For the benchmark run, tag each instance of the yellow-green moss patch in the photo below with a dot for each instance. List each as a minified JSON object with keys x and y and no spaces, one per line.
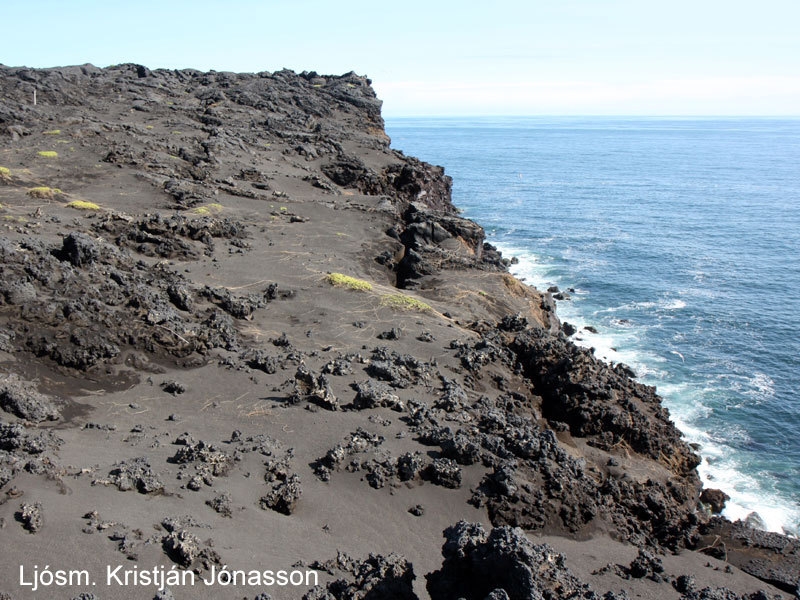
{"x":53,"y":132}
{"x":403,"y":302}
{"x":48,"y":154}
{"x":351,"y":283}
{"x":211,"y":209}
{"x":83,"y":205}
{"x":45,"y":193}
{"x":5,"y":174}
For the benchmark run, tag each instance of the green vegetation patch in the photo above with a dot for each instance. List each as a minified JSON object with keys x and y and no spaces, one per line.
{"x":53,"y":132}
{"x":83,"y":205}
{"x":5,"y":174}
{"x":403,"y":302}
{"x":351,"y":283}
{"x":48,"y":154}
{"x":44,"y":193}
{"x":211,"y":209}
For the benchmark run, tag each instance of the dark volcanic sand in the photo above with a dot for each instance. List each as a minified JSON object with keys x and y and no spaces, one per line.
{"x":183,"y":385}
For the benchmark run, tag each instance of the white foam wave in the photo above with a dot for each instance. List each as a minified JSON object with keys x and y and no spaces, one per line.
{"x":619,"y":341}
{"x":721,"y":470}
{"x":672,"y":304}
{"x":747,"y":495}
{"x":762,"y":387}
{"x":646,"y":306}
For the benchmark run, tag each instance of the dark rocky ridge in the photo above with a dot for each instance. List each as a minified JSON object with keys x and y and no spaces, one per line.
{"x":224,"y":199}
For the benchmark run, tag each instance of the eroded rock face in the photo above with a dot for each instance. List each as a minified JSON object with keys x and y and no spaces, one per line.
{"x":409,"y":181}
{"x":601,"y":402}
{"x":435,"y":239}
{"x":497,"y":396}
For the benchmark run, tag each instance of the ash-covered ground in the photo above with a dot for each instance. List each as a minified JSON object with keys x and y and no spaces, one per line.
{"x":238,"y":331}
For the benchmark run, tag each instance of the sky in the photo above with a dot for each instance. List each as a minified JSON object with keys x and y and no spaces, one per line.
{"x":448,"y":58}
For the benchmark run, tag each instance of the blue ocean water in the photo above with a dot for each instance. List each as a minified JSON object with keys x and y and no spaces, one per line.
{"x":681,"y":241}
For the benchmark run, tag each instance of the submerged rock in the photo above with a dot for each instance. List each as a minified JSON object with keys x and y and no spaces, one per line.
{"x":715,"y":499}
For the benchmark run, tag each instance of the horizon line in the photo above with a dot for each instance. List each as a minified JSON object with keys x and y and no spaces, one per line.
{"x":586,"y":116}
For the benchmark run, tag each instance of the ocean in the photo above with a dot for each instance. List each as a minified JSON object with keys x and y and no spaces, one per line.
{"x":678,"y":240}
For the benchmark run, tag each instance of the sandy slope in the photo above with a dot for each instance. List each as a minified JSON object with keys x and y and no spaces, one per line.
{"x":205,"y":372}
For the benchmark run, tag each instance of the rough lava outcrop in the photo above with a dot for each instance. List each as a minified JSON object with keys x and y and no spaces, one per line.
{"x":168,"y":244}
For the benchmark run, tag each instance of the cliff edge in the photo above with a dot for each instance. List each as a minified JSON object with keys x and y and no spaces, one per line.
{"x":238,"y":329}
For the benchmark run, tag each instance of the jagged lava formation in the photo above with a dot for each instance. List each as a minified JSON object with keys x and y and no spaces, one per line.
{"x":230,"y":312}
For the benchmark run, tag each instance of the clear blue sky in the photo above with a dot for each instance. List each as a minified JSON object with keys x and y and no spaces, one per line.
{"x":535,"y":57}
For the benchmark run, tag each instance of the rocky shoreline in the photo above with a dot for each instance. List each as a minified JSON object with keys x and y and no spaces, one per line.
{"x":238,"y":329}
